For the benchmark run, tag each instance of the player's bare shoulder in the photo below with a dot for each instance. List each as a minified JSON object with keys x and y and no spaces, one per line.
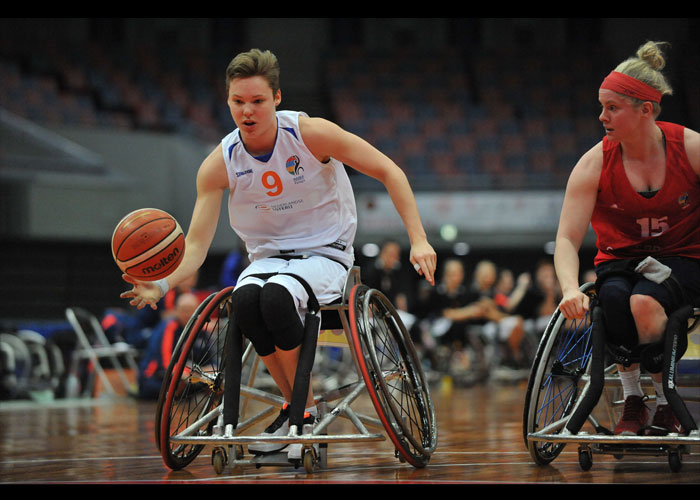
{"x":314,"y":129}
{"x":321,"y":136}
{"x":212,"y":172}
{"x":593,"y":158}
{"x":590,"y":165}
{"x":692,"y":148}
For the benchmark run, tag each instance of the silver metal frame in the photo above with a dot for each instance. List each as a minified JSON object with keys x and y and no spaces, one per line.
{"x":333,"y":404}
{"x":611,"y":444}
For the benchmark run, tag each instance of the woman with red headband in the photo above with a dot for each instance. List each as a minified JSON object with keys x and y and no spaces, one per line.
{"x":639,"y":188}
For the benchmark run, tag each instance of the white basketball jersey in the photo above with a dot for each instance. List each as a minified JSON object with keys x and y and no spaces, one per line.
{"x":289,"y":203}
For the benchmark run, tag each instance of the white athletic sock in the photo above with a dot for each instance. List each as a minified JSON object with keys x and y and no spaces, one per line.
{"x":630,"y":383}
{"x":660,"y":396}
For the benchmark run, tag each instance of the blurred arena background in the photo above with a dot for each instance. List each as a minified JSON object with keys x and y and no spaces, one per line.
{"x":99,"y":117}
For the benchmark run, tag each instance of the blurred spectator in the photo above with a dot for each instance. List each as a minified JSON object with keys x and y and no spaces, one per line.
{"x":387,"y":275}
{"x":501,"y":329}
{"x":484,"y":307}
{"x":485,"y":275}
{"x":446,"y":313}
{"x":451,"y":305}
{"x":166,"y":306}
{"x":134,"y":326}
{"x":509,"y":293}
{"x":161,"y":344}
{"x":546,"y":282}
{"x":470,"y":324}
{"x":541,"y":299}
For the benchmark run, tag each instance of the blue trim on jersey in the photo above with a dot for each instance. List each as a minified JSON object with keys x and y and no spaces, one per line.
{"x":291,"y":131}
{"x":263,"y":158}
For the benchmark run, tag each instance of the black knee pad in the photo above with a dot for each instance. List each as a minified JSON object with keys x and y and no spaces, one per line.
{"x":614,"y":298}
{"x":249,"y":317}
{"x":279,"y":311}
{"x":652,"y":355}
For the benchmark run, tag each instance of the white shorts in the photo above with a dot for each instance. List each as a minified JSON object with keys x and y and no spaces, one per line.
{"x":325,"y":277}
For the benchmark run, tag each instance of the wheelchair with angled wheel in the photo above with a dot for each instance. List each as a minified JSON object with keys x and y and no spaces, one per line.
{"x":574,"y":373}
{"x":212,"y":395}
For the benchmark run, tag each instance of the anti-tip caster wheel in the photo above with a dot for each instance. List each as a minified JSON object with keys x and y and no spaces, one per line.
{"x":674,"y":460}
{"x":219,"y":459}
{"x":310,"y":460}
{"x":585,"y":458}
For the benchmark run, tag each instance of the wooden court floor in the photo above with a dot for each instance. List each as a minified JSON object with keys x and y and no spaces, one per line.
{"x":110,"y":441}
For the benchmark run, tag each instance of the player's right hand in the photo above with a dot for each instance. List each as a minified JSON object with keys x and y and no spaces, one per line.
{"x":142,"y":294}
{"x":574,"y":304}
{"x":424,"y":260}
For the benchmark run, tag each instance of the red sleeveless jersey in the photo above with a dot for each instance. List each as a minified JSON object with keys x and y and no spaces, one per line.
{"x":628,"y":225}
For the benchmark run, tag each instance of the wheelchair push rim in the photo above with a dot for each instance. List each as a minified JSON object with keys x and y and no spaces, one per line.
{"x":554,"y":386}
{"x":173,"y":360}
{"x":393,"y":376}
{"x":195,"y":384}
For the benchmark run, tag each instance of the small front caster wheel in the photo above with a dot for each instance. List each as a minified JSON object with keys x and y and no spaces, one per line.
{"x":310,"y":461}
{"x":585,"y":458}
{"x":674,"y":460}
{"x":219,"y":460}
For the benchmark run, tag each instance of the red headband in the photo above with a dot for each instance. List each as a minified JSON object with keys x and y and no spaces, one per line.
{"x":623,"y":84}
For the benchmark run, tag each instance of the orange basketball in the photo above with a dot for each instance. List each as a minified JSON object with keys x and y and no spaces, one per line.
{"x":148,"y":244}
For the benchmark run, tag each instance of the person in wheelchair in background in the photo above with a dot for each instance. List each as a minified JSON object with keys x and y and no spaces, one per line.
{"x":639,"y":189}
{"x":292,"y":204}
{"x":161,"y":343}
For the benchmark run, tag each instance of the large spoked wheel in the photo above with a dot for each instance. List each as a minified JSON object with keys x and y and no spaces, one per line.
{"x":393,"y":375}
{"x":168,"y":372}
{"x":194,"y":382}
{"x":561,"y":361}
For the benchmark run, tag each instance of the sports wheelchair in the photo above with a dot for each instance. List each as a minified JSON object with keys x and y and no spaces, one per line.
{"x":571,"y":370}
{"x":209,"y":389}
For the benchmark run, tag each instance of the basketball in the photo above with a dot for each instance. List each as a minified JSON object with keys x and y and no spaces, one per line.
{"x":148,"y":244}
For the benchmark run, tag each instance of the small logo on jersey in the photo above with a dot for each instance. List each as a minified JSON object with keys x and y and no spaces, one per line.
{"x":245,"y":172}
{"x":280,"y":207}
{"x":293,"y":165}
{"x":683,"y":200}
{"x":294,"y":169}
{"x":338,"y":245}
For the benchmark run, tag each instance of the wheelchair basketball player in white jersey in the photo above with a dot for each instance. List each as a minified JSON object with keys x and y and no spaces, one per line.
{"x":291,"y":202}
